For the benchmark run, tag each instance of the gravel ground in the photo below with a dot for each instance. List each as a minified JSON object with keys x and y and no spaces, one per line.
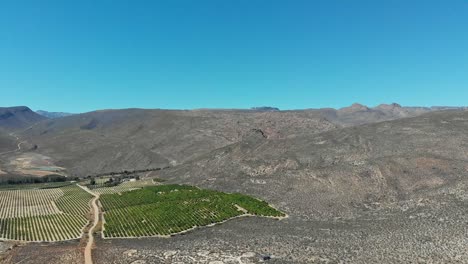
{"x":423,"y":234}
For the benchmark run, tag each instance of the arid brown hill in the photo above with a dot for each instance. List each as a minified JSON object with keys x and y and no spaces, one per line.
{"x":18,"y":117}
{"x":129,"y":139}
{"x":114,"y":140}
{"x":358,"y":114}
{"x":7,"y":143}
{"x":333,"y":173}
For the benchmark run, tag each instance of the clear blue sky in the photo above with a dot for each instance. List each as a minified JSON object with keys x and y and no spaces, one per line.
{"x":83,"y":55}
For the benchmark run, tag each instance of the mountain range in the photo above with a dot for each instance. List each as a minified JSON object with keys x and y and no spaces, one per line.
{"x":108,"y":140}
{"x":384,"y":184}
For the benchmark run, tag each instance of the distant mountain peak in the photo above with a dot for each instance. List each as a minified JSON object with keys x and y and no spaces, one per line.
{"x":389,"y":106}
{"x":18,"y":117}
{"x":52,"y":114}
{"x":265,"y":108}
{"x":15,"y":109}
{"x":356,"y":107}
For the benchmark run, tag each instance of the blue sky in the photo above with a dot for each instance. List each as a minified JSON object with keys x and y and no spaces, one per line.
{"x":79,"y":56}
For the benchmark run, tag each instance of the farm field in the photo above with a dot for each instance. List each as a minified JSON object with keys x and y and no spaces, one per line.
{"x":48,"y":185}
{"x":52,"y":214}
{"x":169,"y":209}
{"x":124,"y":187}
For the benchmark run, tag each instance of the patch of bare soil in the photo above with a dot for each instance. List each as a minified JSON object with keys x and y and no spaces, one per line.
{"x":34,"y":164}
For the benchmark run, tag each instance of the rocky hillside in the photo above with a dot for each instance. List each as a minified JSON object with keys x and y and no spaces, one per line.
{"x":129,"y":139}
{"x":342,"y":170}
{"x":7,"y":142}
{"x":358,"y":114}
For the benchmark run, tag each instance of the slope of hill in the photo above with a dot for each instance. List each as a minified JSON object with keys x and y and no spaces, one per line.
{"x":7,"y":142}
{"x":18,"y":117}
{"x":390,"y":192}
{"x":127,"y":139}
{"x":339,"y":170}
{"x":110,"y":140}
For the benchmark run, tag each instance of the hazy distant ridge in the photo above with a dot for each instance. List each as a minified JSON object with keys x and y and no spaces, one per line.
{"x":53,"y":114}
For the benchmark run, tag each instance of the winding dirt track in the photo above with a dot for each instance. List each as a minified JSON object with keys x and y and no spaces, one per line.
{"x":89,"y":245}
{"x":18,"y":147}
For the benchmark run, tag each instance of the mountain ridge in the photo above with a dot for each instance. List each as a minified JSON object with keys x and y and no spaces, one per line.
{"x":146,"y":138}
{"x":18,"y":117}
{"x":53,"y":114}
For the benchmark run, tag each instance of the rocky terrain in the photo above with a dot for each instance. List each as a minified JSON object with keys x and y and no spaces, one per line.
{"x":131,"y":139}
{"x":126,"y":139}
{"x":392,"y":192}
{"x":338,"y":169}
{"x":7,"y":142}
{"x":360,"y":185}
{"x":419,"y":235}
{"x":358,"y":114}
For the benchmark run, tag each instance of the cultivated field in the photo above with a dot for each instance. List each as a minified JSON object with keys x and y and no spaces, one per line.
{"x":169,"y":209}
{"x":124,"y":187}
{"x":43,"y":214}
{"x":47,"y":185}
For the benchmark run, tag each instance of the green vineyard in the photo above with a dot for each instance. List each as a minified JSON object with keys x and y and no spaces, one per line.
{"x":168,"y":209}
{"x":49,"y":213}
{"x":52,"y":214}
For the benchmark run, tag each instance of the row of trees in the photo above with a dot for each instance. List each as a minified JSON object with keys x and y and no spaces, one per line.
{"x":126,"y":172}
{"x":23,"y":179}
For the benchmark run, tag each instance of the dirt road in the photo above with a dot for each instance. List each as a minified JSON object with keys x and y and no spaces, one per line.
{"x":18,"y":147}
{"x":89,"y":245}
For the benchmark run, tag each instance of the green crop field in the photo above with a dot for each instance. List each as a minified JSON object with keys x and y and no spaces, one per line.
{"x":168,"y":209}
{"x":52,"y":214}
